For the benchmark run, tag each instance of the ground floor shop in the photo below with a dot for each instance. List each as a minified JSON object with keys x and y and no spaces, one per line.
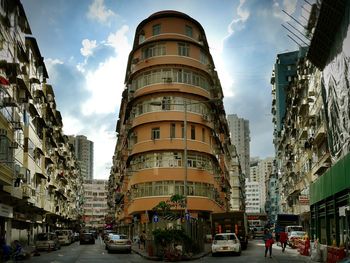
{"x":330,"y":204}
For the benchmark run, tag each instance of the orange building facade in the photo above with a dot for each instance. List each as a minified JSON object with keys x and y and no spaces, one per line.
{"x":173,"y":136}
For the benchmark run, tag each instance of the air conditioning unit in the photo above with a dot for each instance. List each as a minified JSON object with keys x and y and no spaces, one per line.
{"x":17,"y":126}
{"x":8,"y":102}
{"x":3,"y":132}
{"x":13,"y":145}
{"x":135,"y":61}
{"x":168,"y":80}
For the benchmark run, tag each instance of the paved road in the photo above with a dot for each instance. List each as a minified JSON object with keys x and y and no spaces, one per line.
{"x":76,"y":253}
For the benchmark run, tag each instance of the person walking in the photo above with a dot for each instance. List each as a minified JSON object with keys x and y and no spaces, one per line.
{"x":268,"y":242}
{"x":283,"y":240}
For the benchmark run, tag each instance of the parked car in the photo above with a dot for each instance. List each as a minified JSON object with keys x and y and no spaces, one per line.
{"x":294,"y":236}
{"x":65,"y":236}
{"x":47,"y":241}
{"x":87,"y":238}
{"x":76,"y":236}
{"x":258,"y":231}
{"x":226,"y":243}
{"x":118,"y":242}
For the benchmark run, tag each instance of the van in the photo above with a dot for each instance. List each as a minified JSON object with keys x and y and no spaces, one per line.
{"x":65,"y":237}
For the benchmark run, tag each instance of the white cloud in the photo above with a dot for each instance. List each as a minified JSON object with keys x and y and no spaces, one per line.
{"x":71,"y":125}
{"x":119,"y":40}
{"x":238,"y":23}
{"x":104,"y":145}
{"x":99,"y":12}
{"x":106,"y":83}
{"x":290,"y":6}
{"x":88,"y":47}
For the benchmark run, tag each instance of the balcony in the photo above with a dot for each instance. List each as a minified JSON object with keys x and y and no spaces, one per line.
{"x":322,"y":165}
{"x":320,"y":134}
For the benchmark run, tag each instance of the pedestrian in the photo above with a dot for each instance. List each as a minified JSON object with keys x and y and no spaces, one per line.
{"x":143,"y":239}
{"x":268,"y":242}
{"x":283,"y":239}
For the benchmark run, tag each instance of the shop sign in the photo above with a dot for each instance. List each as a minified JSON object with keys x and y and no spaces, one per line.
{"x":304,"y":200}
{"x":6,"y":211}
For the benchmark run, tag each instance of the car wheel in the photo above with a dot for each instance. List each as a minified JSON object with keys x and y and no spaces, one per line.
{"x":213,"y":254}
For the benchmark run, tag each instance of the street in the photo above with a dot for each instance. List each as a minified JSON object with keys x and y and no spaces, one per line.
{"x":76,"y":253}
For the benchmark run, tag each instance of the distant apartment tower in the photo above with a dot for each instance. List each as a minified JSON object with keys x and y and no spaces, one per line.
{"x":95,"y":204}
{"x":84,"y":152}
{"x":252,"y":201}
{"x":240,"y":137}
{"x":260,"y":171}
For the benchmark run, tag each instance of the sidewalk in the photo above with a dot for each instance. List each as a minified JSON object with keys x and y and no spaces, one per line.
{"x":142,"y":252}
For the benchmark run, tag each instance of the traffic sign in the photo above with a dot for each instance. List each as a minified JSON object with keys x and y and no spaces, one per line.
{"x":155,"y":219}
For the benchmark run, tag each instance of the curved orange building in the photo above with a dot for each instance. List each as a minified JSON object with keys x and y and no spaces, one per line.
{"x":173,"y":136}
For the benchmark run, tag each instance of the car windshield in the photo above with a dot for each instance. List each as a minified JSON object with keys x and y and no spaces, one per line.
{"x":298,"y":233}
{"x":225,"y":237}
{"x":117,"y":237}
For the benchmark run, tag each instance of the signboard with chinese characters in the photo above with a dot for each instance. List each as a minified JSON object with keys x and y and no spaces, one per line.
{"x":304,"y":200}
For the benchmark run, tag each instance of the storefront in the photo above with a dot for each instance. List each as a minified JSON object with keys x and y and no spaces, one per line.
{"x":330,"y":199}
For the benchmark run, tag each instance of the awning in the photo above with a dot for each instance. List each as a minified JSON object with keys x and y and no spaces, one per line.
{"x":40,"y":175}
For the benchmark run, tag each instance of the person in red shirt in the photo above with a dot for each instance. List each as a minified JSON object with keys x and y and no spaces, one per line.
{"x":283,"y":239}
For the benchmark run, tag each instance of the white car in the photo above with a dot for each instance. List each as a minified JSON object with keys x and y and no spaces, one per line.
{"x":226,"y":243}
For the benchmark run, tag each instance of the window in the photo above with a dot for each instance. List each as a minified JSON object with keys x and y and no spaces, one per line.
{"x":183,"y":49}
{"x":172,"y":130}
{"x":166,"y":103}
{"x":193,"y":132}
{"x":182,"y":131}
{"x":153,"y":51}
{"x":5,"y":151}
{"x":203,"y":135}
{"x":188,"y":31}
{"x":155,"y":133}
{"x":156,"y":29}
{"x":203,"y":57}
{"x":141,"y":38}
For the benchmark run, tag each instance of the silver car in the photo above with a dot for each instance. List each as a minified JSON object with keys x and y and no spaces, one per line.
{"x":226,"y":243}
{"x":47,"y":241}
{"x":118,"y":242}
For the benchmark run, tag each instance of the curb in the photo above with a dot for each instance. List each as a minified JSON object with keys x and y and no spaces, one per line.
{"x":194,"y":257}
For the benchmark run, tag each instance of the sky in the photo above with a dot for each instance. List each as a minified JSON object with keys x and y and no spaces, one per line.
{"x":86,"y":43}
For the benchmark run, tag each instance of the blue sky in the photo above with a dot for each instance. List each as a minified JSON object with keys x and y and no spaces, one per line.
{"x":85,"y":45}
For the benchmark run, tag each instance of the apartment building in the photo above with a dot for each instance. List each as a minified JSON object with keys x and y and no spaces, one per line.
{"x":173,"y":136}
{"x":40,"y":182}
{"x":240,"y":137}
{"x":84,"y":153}
{"x":95,"y":205}
{"x":329,"y":52}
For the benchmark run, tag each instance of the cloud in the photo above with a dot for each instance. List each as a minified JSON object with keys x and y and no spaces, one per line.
{"x":106,"y":83}
{"x":98,"y":11}
{"x":238,"y":23}
{"x":88,"y":47}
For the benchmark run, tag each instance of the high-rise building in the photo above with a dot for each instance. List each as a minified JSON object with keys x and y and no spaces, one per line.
{"x":240,"y":137}
{"x":173,"y":136}
{"x":84,"y":152}
{"x":40,"y":180}
{"x":95,"y":205}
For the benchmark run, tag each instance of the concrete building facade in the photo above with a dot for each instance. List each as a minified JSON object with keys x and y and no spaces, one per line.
{"x":40,"y":180}
{"x":95,"y":205}
{"x":84,"y":152}
{"x":240,"y":137}
{"x":173,"y":136}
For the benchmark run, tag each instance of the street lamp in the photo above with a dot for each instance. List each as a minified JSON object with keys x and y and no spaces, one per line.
{"x":185,"y":104}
